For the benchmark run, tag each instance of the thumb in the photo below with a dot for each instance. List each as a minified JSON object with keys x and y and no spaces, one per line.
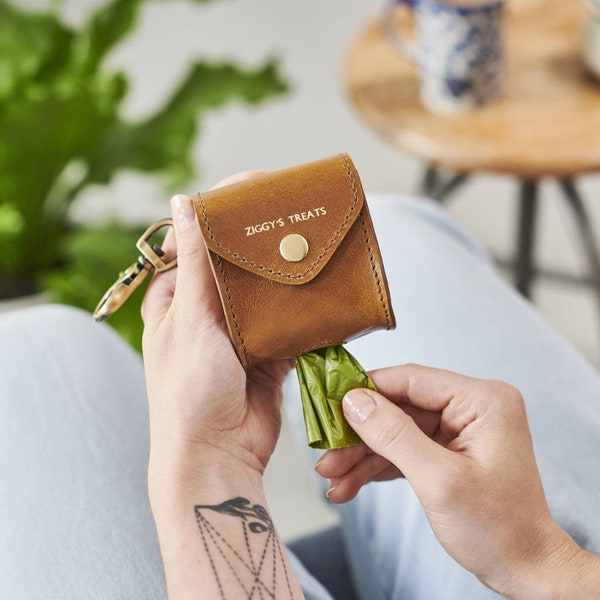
{"x":393,"y":434}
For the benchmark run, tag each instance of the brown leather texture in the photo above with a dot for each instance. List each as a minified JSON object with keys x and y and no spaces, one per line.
{"x":275,"y":308}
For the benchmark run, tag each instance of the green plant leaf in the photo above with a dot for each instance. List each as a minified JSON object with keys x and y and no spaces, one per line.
{"x":11,"y":220}
{"x":34,"y":45}
{"x":163,"y":142}
{"x":106,"y":28}
{"x":60,"y":109}
{"x":40,"y":138}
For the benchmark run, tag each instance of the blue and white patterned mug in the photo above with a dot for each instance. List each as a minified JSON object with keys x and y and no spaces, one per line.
{"x":459,"y":51}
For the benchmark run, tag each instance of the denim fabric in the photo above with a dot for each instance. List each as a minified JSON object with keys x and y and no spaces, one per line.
{"x":74,"y":512}
{"x":455,"y":312}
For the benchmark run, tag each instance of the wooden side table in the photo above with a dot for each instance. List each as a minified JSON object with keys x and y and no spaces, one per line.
{"x":546,"y":125}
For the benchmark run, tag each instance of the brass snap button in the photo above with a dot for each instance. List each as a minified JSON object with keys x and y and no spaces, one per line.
{"x":293,"y":247}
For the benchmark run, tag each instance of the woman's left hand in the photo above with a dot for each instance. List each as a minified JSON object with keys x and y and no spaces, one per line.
{"x":202,"y":402}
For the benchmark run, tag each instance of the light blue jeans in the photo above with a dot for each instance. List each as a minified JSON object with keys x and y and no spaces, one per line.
{"x":75,"y":521}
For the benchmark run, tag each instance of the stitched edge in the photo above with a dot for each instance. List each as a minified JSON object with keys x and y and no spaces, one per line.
{"x":317,"y":346}
{"x":230,"y":300}
{"x":374,"y":268}
{"x":279,"y":273}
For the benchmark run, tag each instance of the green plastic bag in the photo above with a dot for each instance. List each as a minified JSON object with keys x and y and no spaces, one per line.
{"x":325,"y":376}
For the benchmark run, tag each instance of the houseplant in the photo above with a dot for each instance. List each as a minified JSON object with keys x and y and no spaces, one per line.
{"x":61,"y":130}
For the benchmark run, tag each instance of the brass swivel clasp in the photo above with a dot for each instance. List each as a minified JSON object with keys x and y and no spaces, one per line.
{"x":151,"y":258}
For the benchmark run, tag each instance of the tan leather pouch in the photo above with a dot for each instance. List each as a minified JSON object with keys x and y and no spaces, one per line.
{"x":284,"y":296}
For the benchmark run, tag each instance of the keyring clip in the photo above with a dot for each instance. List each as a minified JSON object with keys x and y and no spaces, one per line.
{"x":152,"y":258}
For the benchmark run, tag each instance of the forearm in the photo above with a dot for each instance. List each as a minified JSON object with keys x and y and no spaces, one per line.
{"x":216,"y":536}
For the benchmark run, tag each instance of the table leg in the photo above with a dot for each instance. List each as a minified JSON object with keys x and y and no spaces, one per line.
{"x":449,"y":186}
{"x":586,"y":231}
{"x":528,"y":203}
{"x":430,"y":181}
{"x":434,"y":187}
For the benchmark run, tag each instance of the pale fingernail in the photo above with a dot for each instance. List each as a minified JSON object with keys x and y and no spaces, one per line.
{"x":358,"y":405}
{"x":183,"y":210}
{"x":319,"y":463}
{"x":332,"y":487}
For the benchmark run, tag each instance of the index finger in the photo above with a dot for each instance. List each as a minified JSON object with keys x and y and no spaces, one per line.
{"x":424,"y":387}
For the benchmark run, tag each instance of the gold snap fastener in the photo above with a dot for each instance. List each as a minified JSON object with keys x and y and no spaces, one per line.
{"x":293,"y":247}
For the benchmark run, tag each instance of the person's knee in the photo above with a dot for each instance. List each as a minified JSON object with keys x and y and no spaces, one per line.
{"x":54,"y":314}
{"x":419,"y":219}
{"x":53,"y":325}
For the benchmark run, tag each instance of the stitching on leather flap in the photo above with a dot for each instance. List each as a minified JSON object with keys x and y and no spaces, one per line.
{"x":315,"y":263}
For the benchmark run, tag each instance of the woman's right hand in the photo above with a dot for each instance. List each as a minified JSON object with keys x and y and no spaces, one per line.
{"x":465,"y":447}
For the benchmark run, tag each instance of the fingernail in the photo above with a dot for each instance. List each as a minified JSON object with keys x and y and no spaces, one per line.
{"x":183,"y":210}
{"x":358,"y":405}
{"x":320,"y":462}
{"x":332,"y":487}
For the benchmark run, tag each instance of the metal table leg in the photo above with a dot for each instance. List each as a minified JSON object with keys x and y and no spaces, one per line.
{"x":430,"y":181}
{"x":433,"y":186}
{"x":528,"y":204}
{"x":438,"y":187}
{"x":449,"y":186}
{"x":582,"y":222}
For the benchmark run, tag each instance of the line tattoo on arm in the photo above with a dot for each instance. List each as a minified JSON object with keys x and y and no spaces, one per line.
{"x":249,"y":556}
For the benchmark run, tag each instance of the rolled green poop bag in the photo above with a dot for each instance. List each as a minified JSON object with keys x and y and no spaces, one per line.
{"x":325,"y":376}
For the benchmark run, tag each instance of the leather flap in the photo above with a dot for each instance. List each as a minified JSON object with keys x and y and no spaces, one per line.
{"x":244,"y":223}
